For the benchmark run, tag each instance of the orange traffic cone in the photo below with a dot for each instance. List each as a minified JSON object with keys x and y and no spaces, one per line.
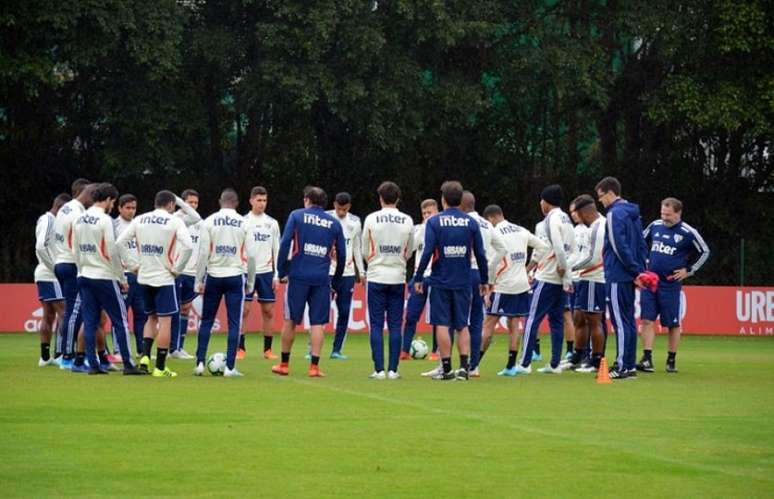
{"x":603,"y":377}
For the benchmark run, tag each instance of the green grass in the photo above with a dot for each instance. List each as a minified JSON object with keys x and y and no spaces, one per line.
{"x":707,"y":431}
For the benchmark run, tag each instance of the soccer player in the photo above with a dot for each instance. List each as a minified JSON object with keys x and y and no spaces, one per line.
{"x":511,"y":296}
{"x":164,"y":247}
{"x":624,"y":259}
{"x":354,"y":272}
{"x":226,"y":253}
{"x":316,"y":237}
{"x":580,"y":232}
{"x":449,"y":238}
{"x":387,"y":245}
{"x":101,"y":271}
{"x":49,"y":291}
{"x":537,"y":256}
{"x":476,"y":317}
{"x":127,"y":209}
{"x":66,"y":271}
{"x":677,"y":251}
{"x":589,"y":293}
{"x":416,"y":301}
{"x":552,"y":279}
{"x":266,"y":235}
{"x":184,"y":283}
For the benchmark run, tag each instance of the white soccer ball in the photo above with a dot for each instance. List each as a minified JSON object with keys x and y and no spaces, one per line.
{"x":419,"y":349}
{"x":216,"y":364}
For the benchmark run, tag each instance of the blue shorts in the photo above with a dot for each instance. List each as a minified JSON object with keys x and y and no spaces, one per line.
{"x":569,"y":303}
{"x":263,"y":288}
{"x":449,"y":307}
{"x":160,"y":300}
{"x":317,"y":297}
{"x":590,"y":297}
{"x":49,"y":291}
{"x":664,"y":304}
{"x":185,"y":288}
{"x":509,"y":305}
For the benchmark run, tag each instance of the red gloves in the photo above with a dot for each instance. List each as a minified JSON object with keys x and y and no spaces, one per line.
{"x":649,"y":280}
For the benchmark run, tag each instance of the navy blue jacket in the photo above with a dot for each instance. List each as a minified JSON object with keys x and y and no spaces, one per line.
{"x":625,"y":250}
{"x":317,"y":238}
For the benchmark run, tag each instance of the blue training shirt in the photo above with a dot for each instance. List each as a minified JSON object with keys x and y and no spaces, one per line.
{"x":676,"y":247}
{"x":450,"y":236}
{"x":625,"y":250}
{"x":317,"y":238}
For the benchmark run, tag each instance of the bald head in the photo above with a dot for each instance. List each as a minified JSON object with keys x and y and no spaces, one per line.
{"x":468,"y":203}
{"x":229,"y":199}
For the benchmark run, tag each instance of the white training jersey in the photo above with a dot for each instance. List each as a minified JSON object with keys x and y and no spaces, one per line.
{"x":509,"y":257}
{"x":486,"y":236}
{"x":226,"y":247}
{"x":418,"y":237}
{"x":192,"y":265}
{"x":163,"y":244}
{"x":266,"y":234}
{"x":353,"y":233}
{"x":44,"y":248}
{"x":561,"y":239}
{"x":120,"y":224}
{"x":581,"y":233}
{"x":94,"y":246}
{"x":589,"y":264}
{"x":63,"y":230}
{"x":387,"y":245}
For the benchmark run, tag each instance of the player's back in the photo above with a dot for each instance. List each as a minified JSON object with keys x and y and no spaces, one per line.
{"x":387,"y":245}
{"x":93,"y":235}
{"x":452,"y":235}
{"x":511,"y":271}
{"x":63,"y":226}
{"x":156,"y":233}
{"x":486,"y":237}
{"x":561,"y":238}
{"x":314,"y":234}
{"x":45,"y":242}
{"x":226,"y":233}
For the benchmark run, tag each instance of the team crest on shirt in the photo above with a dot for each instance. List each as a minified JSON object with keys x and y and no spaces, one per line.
{"x":678,"y":238}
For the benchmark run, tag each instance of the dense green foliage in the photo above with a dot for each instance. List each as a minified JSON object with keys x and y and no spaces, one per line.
{"x":705,"y":432}
{"x":674,"y":97}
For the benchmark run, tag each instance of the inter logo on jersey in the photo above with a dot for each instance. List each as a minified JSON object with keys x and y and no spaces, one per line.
{"x":449,"y":221}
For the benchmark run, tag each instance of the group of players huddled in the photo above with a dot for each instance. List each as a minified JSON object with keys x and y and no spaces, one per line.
{"x":470,"y":272}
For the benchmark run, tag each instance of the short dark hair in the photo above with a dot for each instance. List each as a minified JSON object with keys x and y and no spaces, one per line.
{"x":583,"y":201}
{"x":609,"y":184}
{"x":492,"y":210}
{"x":103,"y":192}
{"x":78,"y":186}
{"x":188,"y":193}
{"x":429,"y":202}
{"x":342,"y":199}
{"x":451,"y":191}
{"x":258,"y":190}
{"x":126,"y":198}
{"x":61,"y":200}
{"x":468,"y":201}
{"x":675,"y":203}
{"x":316,"y":196}
{"x":163,"y":198}
{"x":229,"y":196}
{"x":389,"y":192}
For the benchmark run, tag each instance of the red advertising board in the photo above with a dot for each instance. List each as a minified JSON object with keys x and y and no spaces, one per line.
{"x":710,"y":310}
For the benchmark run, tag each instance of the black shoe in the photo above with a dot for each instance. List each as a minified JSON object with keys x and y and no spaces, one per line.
{"x":671,"y":368}
{"x":616,"y":374}
{"x":631,"y":374}
{"x":645,"y":365}
{"x":134,"y":371}
{"x":461,"y":375}
{"x":444,"y":376}
{"x":97,"y":370}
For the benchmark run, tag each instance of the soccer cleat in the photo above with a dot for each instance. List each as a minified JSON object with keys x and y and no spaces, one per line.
{"x":631,"y":374}
{"x":338,"y":356}
{"x":474,"y":373}
{"x":145,"y":363}
{"x":586,"y":368}
{"x":537,"y":356}
{"x":377,"y":375}
{"x":269,"y":355}
{"x":232,"y":373}
{"x":547,"y":369}
{"x":181,"y":355}
{"x":671,"y":368}
{"x":115,"y":358}
{"x":509,"y":372}
{"x":66,"y":364}
{"x":461,"y":374}
{"x":241,"y":354}
{"x":199,"y":369}
{"x":405,"y":356}
{"x":83,"y":368}
{"x":166,"y":373}
{"x":645,"y":365}
{"x":97,"y":370}
{"x":44,"y":363}
{"x":393,"y":375}
{"x":133,"y":371}
{"x":434,"y":356}
{"x":281,"y":369}
{"x":442,"y":376}
{"x":108,"y":366}
{"x":523,"y":370}
{"x":314,"y":372}
{"x":615,"y":373}
{"x":432,"y":372}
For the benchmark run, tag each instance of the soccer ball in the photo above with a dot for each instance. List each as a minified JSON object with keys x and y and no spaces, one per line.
{"x":216,"y":364}
{"x":418,"y":349}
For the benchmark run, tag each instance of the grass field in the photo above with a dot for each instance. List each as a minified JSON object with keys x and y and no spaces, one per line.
{"x":708,"y":431}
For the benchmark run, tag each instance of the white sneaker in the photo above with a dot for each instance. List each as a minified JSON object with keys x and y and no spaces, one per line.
{"x":231,"y":373}
{"x":524,"y":370}
{"x":586,"y":368}
{"x":433,"y":372}
{"x":199,"y":369}
{"x":474,"y":373}
{"x":377,"y":375}
{"x":181,"y":354}
{"x":547,"y":369}
{"x":393,"y":375}
{"x":44,"y":363}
